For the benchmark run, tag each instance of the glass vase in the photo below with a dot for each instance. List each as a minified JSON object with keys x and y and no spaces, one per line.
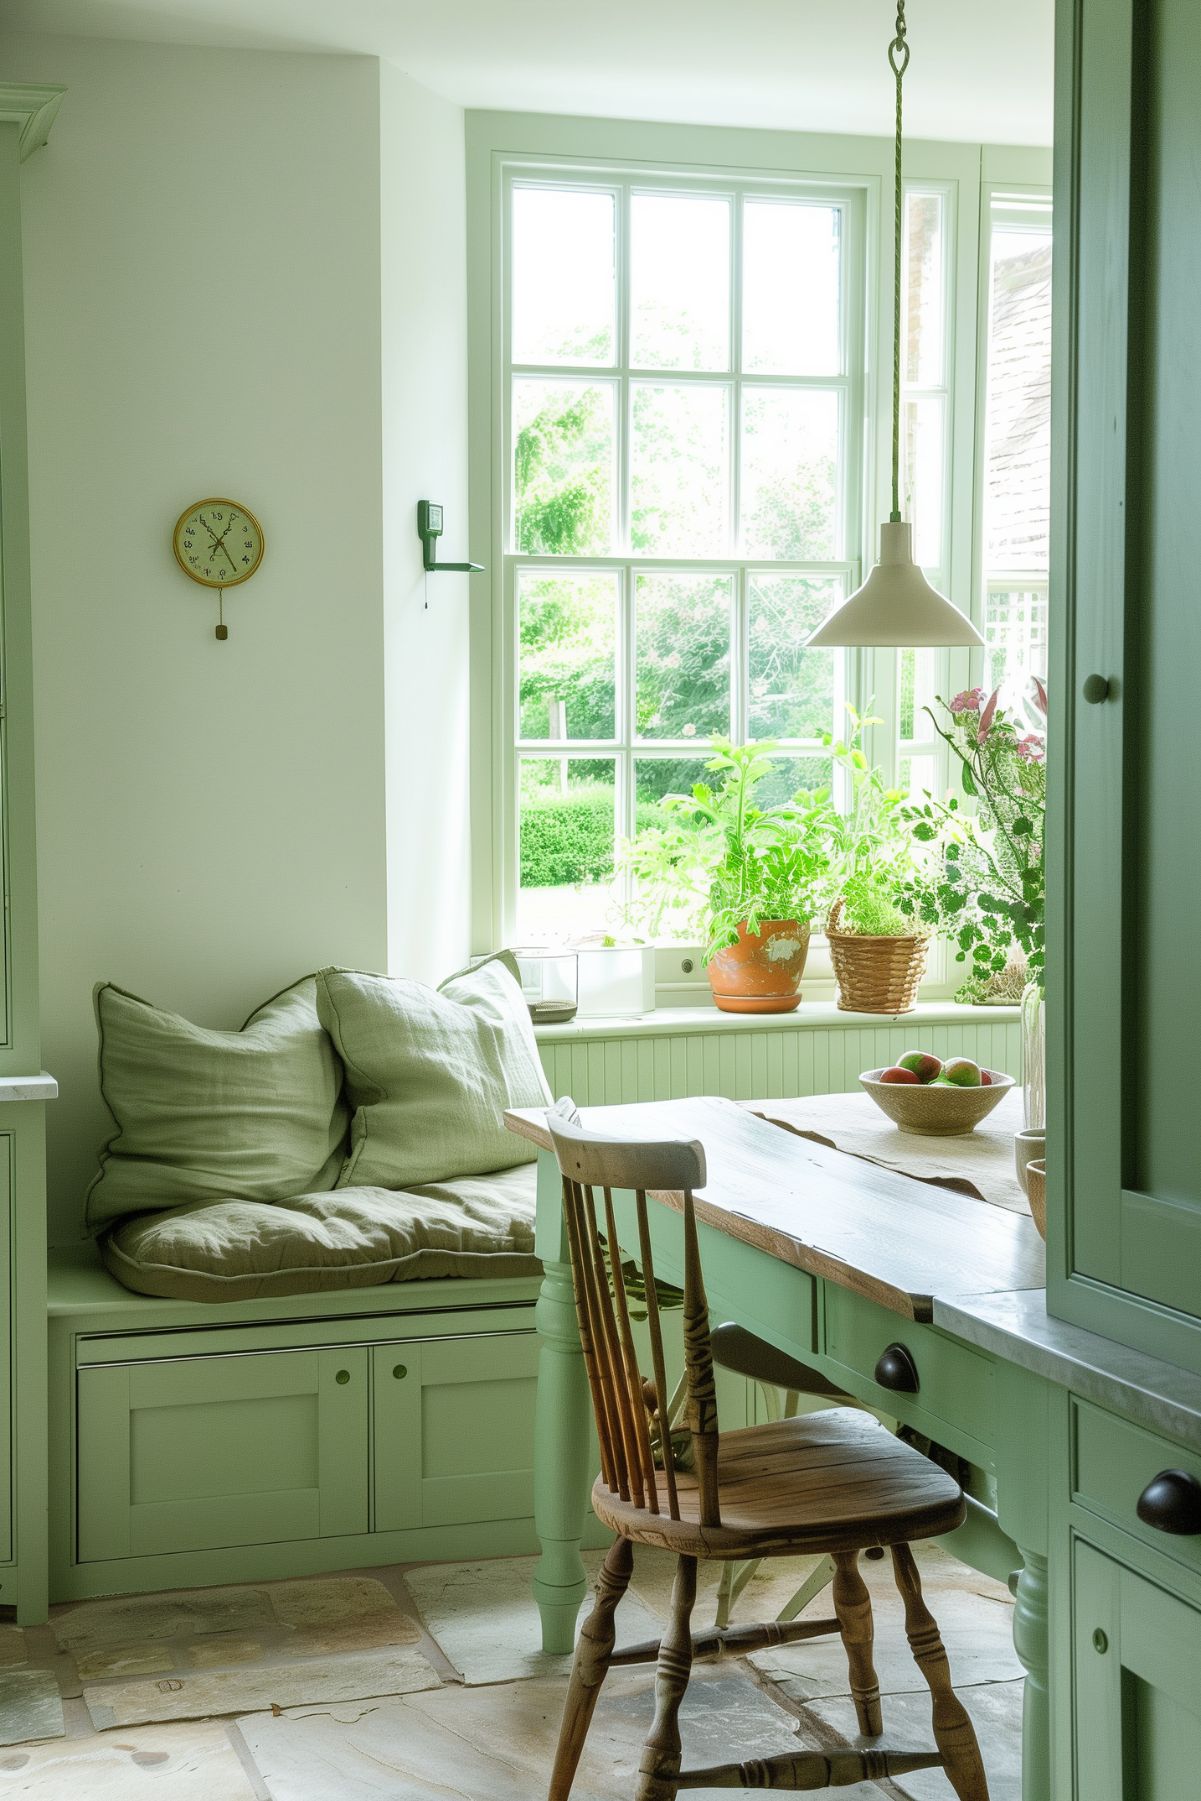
{"x":1034,"y":1056}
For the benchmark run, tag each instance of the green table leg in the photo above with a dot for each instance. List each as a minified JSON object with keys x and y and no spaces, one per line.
{"x":1030,"y":1641}
{"x":561,"y":1428}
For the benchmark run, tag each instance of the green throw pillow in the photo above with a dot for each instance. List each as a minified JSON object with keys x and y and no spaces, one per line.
{"x":200,"y":1115}
{"x":430,"y":1072}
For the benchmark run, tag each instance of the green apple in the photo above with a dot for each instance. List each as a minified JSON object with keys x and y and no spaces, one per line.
{"x":961,"y":1072}
{"x":924,"y":1064}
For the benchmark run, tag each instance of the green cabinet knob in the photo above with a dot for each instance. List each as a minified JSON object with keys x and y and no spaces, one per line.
{"x":400,"y":1371}
{"x":1100,"y":1642}
{"x":1096,"y":689}
{"x":342,"y":1377}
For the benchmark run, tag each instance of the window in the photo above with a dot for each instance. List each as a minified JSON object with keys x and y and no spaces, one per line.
{"x":1017,"y":445}
{"x":683,"y":392}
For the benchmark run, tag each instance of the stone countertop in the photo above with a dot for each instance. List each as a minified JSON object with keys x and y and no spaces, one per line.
{"x":1017,"y":1327}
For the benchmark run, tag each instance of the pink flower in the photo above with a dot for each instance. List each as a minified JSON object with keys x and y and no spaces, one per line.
{"x":1032,"y":748}
{"x":970,"y":701}
{"x":986,"y":718}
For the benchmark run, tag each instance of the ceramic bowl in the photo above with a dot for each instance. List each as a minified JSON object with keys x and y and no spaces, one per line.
{"x":1027,"y":1145}
{"x":931,"y":1112}
{"x":1036,"y":1192}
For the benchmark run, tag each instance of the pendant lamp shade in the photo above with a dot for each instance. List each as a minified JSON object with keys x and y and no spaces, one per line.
{"x":896,"y":605}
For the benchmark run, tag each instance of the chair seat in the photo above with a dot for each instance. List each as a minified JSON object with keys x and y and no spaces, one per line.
{"x":829,"y":1481}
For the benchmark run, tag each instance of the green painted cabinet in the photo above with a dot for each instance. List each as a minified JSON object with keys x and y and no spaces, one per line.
{"x":454,"y":1431}
{"x":1136,"y":1657}
{"x":1126,"y":1182}
{"x":198,"y":1453}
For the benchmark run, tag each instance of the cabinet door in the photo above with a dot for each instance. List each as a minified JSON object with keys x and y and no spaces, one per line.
{"x":1128,"y":424}
{"x":6,"y":1422}
{"x":211,"y":1451}
{"x":454,"y":1431}
{"x":1137,"y":1653}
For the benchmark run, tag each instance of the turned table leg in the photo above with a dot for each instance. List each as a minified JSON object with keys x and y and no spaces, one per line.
{"x":561,"y":1426}
{"x":1030,"y":1640}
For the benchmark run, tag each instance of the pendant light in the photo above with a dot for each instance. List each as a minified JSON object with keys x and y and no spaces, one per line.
{"x":896,"y":604}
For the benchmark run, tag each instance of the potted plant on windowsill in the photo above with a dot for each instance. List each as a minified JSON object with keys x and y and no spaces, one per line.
{"x":878,"y":951}
{"x":760,"y":873}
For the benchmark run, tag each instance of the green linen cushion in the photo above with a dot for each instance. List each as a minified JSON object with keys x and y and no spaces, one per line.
{"x":351,"y":1238}
{"x":430,"y":1072}
{"x":199,"y":1114}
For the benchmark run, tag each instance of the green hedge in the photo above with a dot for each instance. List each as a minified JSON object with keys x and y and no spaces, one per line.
{"x":567,"y":839}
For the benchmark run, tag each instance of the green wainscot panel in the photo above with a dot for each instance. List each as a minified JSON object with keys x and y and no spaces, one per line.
{"x":206,"y":1452}
{"x":1137,"y":1654}
{"x":454,"y":1431}
{"x":6,"y":1460}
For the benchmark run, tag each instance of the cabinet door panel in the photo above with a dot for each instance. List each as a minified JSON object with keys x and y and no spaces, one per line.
{"x":211,"y":1451}
{"x":1137,"y":1651}
{"x":6,"y":1463}
{"x":454,"y":1434}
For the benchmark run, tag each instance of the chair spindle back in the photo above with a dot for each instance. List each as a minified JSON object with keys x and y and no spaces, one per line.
{"x":624,"y":1402}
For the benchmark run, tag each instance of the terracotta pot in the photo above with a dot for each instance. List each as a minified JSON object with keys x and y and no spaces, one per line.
{"x":762,"y":972}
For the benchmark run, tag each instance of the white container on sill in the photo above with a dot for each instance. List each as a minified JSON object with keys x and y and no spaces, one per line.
{"x":617,"y":980}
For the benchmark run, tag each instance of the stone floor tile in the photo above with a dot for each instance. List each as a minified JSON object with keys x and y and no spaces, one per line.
{"x":137,"y":1619}
{"x":186,"y":1763}
{"x":996,"y":1710}
{"x":206,"y":1693}
{"x":30,"y":1706}
{"x":974,"y":1614}
{"x":13,"y":1649}
{"x":483,"y":1617}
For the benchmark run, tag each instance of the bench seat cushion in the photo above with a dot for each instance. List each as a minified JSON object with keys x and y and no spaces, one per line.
{"x":349,"y":1238}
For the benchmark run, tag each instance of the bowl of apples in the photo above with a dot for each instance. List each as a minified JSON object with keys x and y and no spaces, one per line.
{"x":922,"y":1094}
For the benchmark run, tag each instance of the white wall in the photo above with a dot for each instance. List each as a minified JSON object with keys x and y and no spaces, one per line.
{"x":202,"y":244}
{"x":423,"y":254}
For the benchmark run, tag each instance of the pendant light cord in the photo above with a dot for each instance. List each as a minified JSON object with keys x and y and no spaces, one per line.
{"x":898,"y":58}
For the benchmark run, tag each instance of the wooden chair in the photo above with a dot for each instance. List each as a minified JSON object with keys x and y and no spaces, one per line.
{"x":831,"y":1482}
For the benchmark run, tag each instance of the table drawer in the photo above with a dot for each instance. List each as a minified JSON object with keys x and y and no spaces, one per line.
{"x":1113,"y":1462}
{"x":954,"y":1382}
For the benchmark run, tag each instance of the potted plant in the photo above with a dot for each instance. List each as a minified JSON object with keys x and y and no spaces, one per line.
{"x":754,"y":875}
{"x":878,"y":949}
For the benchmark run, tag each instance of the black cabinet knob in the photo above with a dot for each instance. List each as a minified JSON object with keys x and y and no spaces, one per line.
{"x":896,"y":1369}
{"x":1096,"y":689}
{"x":1171,"y":1502}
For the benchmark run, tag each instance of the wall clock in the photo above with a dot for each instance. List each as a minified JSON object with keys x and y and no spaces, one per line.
{"x":219,"y":543}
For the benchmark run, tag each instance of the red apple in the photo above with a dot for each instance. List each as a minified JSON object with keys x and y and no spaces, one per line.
{"x":961,"y":1072}
{"x":897,"y":1074}
{"x":924,"y":1064}
{"x":985,"y":1079}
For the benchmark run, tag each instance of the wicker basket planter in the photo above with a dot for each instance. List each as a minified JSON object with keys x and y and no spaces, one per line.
{"x":875,"y":975}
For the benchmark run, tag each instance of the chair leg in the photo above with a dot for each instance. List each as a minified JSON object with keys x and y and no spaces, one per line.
{"x":590,"y":1667}
{"x":853,"y":1605}
{"x":659,"y":1768}
{"x":954,"y":1733}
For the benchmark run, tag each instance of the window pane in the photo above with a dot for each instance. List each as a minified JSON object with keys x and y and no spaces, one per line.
{"x":918,"y":689}
{"x":567,"y":826}
{"x":682,"y":645}
{"x":666,"y":904}
{"x":923,"y":326}
{"x":680,"y":470}
{"x":1018,"y":454}
{"x":922,"y":476}
{"x":790,"y":500}
{"x":563,"y":276}
{"x":787,"y":774}
{"x":917,"y":777}
{"x":791,"y":688}
{"x":791,"y":303}
{"x":562,"y":467}
{"x":679,"y":282}
{"x":1015,"y":632}
{"x":567,"y":632}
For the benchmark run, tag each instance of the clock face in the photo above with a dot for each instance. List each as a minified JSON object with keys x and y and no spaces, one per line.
{"x":218,"y":543}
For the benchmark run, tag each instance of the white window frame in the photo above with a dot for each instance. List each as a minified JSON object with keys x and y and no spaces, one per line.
{"x":594,"y":149}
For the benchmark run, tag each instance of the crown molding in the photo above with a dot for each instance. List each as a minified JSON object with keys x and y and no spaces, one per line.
{"x":32,"y":108}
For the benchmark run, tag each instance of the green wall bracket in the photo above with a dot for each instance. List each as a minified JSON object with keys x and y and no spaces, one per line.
{"x":429,"y":530}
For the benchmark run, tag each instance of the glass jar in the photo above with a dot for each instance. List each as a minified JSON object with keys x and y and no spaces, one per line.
{"x":1034,"y":1056}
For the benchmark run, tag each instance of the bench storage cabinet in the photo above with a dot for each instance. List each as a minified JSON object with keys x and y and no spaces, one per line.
{"x":197,"y":1444}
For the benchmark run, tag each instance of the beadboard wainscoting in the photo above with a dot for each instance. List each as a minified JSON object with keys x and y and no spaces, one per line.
{"x":817,"y":1050}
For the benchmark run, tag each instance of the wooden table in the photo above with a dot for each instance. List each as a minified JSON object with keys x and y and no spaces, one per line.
{"x":833,"y":1259}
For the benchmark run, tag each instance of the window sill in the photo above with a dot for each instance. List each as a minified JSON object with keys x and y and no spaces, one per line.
{"x":666,"y":1022}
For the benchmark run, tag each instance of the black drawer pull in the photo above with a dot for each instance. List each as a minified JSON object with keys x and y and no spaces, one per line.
{"x":1171,"y":1502}
{"x":896,"y":1369}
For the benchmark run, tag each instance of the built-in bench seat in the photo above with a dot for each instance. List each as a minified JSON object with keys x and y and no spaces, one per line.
{"x":199,"y":1442}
